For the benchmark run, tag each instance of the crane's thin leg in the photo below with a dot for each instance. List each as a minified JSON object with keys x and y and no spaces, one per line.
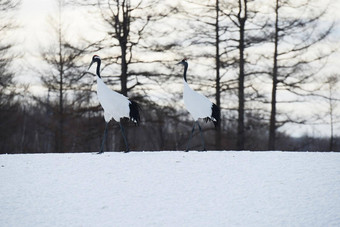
{"x":192,"y":132}
{"x":202,"y":138}
{"x":123,"y":133}
{"x":104,"y":138}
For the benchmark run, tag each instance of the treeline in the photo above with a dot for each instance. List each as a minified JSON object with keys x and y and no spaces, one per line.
{"x":257,"y":61}
{"x":31,"y":130}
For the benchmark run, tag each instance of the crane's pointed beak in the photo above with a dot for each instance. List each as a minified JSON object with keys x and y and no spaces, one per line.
{"x":179,"y":63}
{"x":90,"y":65}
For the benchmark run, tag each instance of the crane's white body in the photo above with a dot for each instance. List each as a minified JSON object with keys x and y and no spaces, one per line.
{"x":115,"y":105}
{"x":197,"y":104}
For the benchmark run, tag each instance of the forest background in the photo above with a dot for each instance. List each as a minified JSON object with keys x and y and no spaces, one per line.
{"x":271,"y":67}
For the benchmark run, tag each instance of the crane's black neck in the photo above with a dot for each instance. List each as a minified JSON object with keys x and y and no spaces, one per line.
{"x":98,"y":67}
{"x":185,"y":71}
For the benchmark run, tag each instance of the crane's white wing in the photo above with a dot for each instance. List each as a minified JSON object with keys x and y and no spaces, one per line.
{"x":115,"y":105}
{"x":197,"y":104}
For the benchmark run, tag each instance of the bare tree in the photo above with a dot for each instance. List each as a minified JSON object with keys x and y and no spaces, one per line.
{"x":242,"y":17}
{"x":68,"y":89}
{"x":332,"y":83}
{"x":244,"y":33}
{"x":296,"y":31}
{"x":128,"y":25}
{"x":8,"y":106}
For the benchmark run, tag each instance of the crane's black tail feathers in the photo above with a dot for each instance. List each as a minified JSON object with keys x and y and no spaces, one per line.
{"x":134,"y":112}
{"x":215,"y":114}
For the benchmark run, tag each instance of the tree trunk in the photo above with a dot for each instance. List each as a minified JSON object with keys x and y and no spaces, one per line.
{"x":241,"y":102}
{"x":331,"y":108}
{"x":123,"y":40}
{"x":272,"y":124}
{"x":331,"y":141}
{"x":61,"y":91}
{"x":218,"y":65}
{"x":124,"y":69}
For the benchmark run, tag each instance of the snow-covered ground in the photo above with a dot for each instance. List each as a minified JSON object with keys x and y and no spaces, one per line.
{"x":170,"y":189}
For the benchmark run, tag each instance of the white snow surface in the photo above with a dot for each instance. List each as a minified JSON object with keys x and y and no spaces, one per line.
{"x":211,"y":188}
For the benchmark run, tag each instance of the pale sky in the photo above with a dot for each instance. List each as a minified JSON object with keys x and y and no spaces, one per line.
{"x":34,"y":18}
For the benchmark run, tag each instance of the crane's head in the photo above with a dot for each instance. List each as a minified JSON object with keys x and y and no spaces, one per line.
{"x":95,"y":58}
{"x":183,"y":62}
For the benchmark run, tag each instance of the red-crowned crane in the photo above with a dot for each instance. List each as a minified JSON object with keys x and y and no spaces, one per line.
{"x":198,"y":106}
{"x":115,"y":105}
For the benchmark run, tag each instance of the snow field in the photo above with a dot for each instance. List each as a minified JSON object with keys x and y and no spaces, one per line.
{"x":171,"y":189}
